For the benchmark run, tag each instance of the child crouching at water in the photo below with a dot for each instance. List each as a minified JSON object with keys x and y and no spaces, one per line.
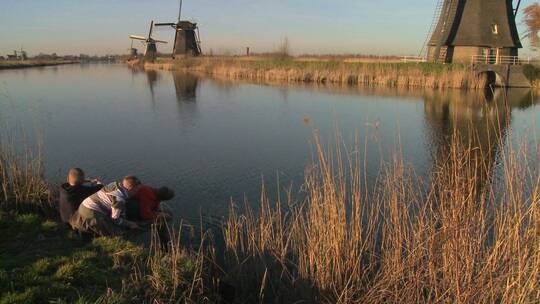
{"x":103,"y":213}
{"x":74,"y":191}
{"x":145,"y":204}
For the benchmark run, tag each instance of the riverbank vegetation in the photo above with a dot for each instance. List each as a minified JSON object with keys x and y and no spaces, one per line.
{"x":18,"y":64}
{"x":295,"y":70}
{"x":43,"y":261}
{"x":463,"y":235}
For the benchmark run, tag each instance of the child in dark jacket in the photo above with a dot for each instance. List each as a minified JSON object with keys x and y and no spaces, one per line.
{"x":74,"y":191}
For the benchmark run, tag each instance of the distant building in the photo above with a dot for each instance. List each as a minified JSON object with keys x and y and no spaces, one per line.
{"x":12,"y":56}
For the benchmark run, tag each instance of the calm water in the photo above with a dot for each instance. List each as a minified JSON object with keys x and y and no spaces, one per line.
{"x":213,"y":141}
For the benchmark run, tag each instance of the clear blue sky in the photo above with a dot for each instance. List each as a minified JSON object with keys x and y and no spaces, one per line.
{"x":312,"y":26}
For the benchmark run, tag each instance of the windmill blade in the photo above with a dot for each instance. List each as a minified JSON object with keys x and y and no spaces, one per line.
{"x":159,"y":41}
{"x":165,"y":24}
{"x":516,"y":9}
{"x":151,"y":28}
{"x":180,"y":12}
{"x":137,"y":37}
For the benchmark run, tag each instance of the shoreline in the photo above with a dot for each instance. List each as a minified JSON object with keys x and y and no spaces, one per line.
{"x":13,"y":65}
{"x":294,"y":70}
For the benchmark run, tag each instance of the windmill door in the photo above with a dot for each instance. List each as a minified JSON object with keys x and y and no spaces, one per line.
{"x":491,"y":55}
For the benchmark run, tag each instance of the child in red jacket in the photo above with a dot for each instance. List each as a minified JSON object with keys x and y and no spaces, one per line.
{"x":149,"y":200}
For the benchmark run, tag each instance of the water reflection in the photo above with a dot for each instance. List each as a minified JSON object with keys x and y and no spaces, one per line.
{"x":478,"y":120}
{"x":152,"y":78}
{"x":185,"y":85}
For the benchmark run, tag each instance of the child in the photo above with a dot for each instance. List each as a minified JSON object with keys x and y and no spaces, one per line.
{"x":147,"y":203}
{"x":103,"y":213}
{"x":74,"y":191}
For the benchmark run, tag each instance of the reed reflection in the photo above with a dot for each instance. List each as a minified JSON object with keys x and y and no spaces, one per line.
{"x":478,"y":121}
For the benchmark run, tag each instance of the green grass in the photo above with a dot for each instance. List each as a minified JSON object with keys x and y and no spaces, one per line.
{"x":42,"y":261}
{"x":331,"y":65}
{"x":353,"y":66}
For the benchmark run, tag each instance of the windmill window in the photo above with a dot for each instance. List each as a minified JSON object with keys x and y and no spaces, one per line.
{"x":495,"y":28}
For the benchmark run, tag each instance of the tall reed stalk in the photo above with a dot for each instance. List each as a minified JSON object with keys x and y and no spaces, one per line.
{"x":22,"y":185}
{"x":451,"y":239}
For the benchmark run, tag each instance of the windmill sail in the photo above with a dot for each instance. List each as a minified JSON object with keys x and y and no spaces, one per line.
{"x":180,"y":12}
{"x":137,"y":37}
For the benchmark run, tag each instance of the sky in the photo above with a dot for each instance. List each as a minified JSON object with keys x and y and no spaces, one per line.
{"x":383,"y":27}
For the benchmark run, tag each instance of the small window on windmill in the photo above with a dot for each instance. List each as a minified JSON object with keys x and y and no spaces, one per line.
{"x":495,"y":29}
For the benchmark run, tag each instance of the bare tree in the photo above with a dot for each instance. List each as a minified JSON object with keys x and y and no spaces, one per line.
{"x":531,"y":18}
{"x":283,"y":50}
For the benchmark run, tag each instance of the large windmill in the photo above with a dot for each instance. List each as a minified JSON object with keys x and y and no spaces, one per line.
{"x":466,"y":28}
{"x":150,"y":51}
{"x":186,"y":38}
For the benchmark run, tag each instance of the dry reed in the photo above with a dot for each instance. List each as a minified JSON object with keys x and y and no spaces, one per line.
{"x":409,"y":75}
{"x":22,"y":185}
{"x":452,"y":239}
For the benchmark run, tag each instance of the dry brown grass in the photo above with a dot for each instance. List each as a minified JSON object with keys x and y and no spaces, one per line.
{"x":373,"y":74}
{"x":174,"y":272}
{"x":452,"y":239}
{"x":22,"y":185}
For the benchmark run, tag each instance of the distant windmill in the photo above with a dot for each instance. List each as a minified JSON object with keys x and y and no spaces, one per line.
{"x":23,"y":56}
{"x":186,"y":38}
{"x":150,"y":51}
{"x":133,"y":53}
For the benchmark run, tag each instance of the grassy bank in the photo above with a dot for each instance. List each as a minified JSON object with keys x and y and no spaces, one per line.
{"x":8,"y":64}
{"x":42,"y":261}
{"x":370,"y":74}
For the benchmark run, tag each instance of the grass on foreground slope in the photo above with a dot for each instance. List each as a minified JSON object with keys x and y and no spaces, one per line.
{"x":42,"y":261}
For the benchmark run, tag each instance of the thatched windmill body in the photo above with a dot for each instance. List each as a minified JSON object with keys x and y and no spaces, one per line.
{"x":186,"y":38}
{"x":150,"y":51}
{"x":465,"y":28}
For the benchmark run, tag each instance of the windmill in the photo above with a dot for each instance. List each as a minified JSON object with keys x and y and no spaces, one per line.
{"x":23,"y":56}
{"x":150,"y":51}
{"x":466,"y":28}
{"x":133,"y":52}
{"x":186,"y":38}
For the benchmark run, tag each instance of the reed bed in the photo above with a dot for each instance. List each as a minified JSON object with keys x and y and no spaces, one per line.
{"x":451,"y":239}
{"x":22,"y":185}
{"x":409,"y":75}
{"x":7,"y":64}
{"x":174,"y":272}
